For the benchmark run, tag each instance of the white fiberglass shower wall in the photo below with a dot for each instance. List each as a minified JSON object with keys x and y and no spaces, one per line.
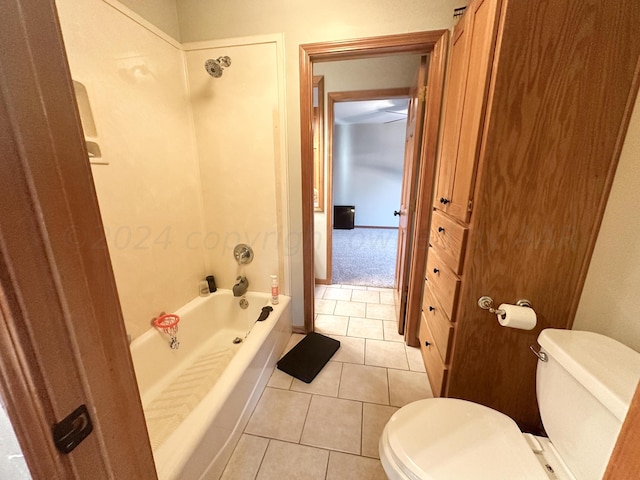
{"x":179,"y":149}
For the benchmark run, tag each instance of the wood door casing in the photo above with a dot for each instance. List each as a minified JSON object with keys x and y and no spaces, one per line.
{"x":412,"y":155}
{"x":433,"y":43}
{"x":67,"y":343}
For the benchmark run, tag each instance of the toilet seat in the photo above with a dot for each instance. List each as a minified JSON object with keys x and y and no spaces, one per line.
{"x":446,"y":438}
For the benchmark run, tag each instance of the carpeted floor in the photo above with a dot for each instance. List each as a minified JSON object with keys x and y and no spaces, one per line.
{"x":364,"y":256}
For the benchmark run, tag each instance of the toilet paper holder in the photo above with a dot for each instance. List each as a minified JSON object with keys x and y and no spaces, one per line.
{"x":486,"y":303}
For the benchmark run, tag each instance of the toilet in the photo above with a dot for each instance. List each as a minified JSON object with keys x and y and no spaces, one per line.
{"x":584,"y":388}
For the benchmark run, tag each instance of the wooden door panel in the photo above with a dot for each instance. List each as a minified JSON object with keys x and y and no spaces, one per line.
{"x":482,"y":37}
{"x":452,"y":114}
{"x":412,"y":154}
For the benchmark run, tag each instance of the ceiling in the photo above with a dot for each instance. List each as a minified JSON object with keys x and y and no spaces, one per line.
{"x":371,"y":111}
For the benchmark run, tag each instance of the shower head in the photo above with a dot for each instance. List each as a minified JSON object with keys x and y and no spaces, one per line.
{"x":215,"y":67}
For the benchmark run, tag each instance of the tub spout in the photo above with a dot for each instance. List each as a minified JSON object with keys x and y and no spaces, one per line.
{"x":241,"y":286}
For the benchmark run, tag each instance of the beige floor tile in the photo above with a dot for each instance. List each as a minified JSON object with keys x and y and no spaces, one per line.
{"x":355,"y":287}
{"x":374,"y":418}
{"x":319,"y":291}
{"x":380,"y":289}
{"x":246,"y":458}
{"x":416,"y":363}
{"x":351,"y":350}
{"x":365,"y":296}
{"x":325,"y":383}
{"x":324,"y":306}
{"x":338,"y":294}
{"x":364,"y":383}
{"x":279,"y":379}
{"x":331,"y":324}
{"x":333,"y":423}
{"x":406,"y":387}
{"x":344,"y":466}
{"x":391,"y":332}
{"x":385,"y":354}
{"x":365,"y":328}
{"x":350,"y":309}
{"x":381,"y":312}
{"x":289,"y":461}
{"x":279,"y":414}
{"x":387,"y":298}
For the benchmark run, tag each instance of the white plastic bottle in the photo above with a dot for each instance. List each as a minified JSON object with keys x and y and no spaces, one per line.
{"x":274,"y":290}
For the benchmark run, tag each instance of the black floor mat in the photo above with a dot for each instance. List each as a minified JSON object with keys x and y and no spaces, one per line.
{"x":309,"y":356}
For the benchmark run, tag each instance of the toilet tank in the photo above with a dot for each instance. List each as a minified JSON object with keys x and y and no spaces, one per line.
{"x":584,"y":391}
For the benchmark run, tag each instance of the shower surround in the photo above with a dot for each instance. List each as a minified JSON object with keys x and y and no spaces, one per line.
{"x":195,"y":163}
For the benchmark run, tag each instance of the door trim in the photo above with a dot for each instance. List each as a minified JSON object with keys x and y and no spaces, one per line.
{"x":433,"y":43}
{"x":332,"y":99}
{"x":63,"y":337}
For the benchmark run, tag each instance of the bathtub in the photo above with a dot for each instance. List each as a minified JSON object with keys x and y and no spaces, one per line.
{"x":197,"y":399}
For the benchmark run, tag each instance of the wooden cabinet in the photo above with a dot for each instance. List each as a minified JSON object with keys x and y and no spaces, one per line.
{"x":537,"y":103}
{"x":471,"y":54}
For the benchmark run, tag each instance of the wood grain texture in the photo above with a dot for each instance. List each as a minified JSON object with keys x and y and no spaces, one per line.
{"x":439,"y":325}
{"x":448,"y":239}
{"x":59,"y":296}
{"x":424,"y":199}
{"x":563,"y":82}
{"x":436,"y":370}
{"x":444,"y":283}
{"x":625,"y":461}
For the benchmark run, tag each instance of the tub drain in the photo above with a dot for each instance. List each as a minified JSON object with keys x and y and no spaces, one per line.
{"x":237,"y":340}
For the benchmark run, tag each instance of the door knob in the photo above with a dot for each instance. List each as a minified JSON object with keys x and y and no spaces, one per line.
{"x":426,"y":344}
{"x":435,"y":270}
{"x":444,"y":201}
{"x":431,"y":308}
{"x":440,"y":229}
{"x":396,"y":213}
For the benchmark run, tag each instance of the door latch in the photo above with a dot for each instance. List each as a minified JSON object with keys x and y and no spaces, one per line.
{"x":70,"y":432}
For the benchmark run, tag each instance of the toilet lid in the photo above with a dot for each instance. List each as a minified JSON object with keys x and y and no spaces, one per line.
{"x":446,"y":438}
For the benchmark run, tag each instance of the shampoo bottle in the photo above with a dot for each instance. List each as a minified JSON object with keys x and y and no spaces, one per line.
{"x":274,"y":289}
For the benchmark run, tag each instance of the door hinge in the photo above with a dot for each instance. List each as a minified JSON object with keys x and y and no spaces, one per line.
{"x":422,"y":93}
{"x":69,"y":432}
{"x":470,"y":206}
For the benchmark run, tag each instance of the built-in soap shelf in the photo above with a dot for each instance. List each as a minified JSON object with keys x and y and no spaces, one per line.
{"x":88,"y":125}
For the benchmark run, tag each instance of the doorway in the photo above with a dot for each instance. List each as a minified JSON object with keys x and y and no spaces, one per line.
{"x":425,"y":43}
{"x":366,"y":130}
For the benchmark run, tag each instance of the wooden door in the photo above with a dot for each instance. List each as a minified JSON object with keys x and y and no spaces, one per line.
{"x":62,"y":334}
{"x":412,"y":154}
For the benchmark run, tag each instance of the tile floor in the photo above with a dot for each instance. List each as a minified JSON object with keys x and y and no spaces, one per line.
{"x":329,"y":429}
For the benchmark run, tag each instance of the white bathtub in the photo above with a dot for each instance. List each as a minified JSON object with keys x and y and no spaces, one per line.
{"x":197,"y":399}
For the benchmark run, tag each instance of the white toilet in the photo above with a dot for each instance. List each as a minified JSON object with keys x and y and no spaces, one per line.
{"x":584,"y":390}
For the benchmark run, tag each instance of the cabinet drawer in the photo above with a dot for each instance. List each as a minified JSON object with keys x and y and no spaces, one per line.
{"x":439,"y":325}
{"x":436,"y":370}
{"x":443,"y":282}
{"x":448,"y":238}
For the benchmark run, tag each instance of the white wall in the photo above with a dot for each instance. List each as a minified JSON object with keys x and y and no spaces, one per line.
{"x":610,"y":302}
{"x":161,"y":13}
{"x":237,"y":128}
{"x":367,"y":170}
{"x":306,"y":22}
{"x":149,"y":194}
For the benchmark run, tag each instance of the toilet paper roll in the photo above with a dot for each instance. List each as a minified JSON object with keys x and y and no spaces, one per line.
{"x":514,"y":316}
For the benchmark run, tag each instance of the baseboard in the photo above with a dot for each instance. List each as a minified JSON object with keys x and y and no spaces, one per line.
{"x":299,"y":330}
{"x":373,"y":226}
{"x":322,"y":281}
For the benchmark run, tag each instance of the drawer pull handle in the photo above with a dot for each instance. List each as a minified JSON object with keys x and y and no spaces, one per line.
{"x":426,"y":344}
{"x":441,"y":229}
{"x":444,"y":201}
{"x":431,"y":309}
{"x":435,"y":270}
